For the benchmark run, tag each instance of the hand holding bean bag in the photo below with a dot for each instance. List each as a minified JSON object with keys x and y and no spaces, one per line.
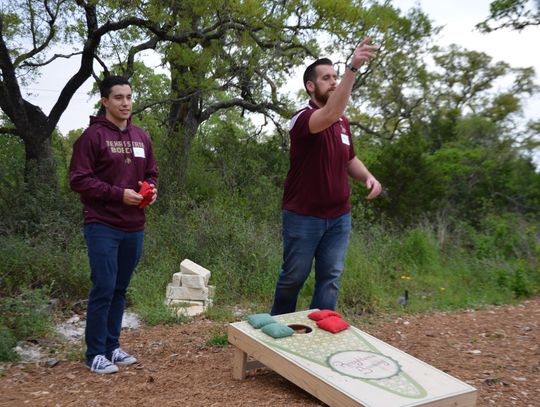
{"x":147,"y":192}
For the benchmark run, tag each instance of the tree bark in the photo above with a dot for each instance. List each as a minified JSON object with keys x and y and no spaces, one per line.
{"x":184,"y":122}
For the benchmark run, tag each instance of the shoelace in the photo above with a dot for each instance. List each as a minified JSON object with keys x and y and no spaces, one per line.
{"x":100,"y":362}
{"x":118,"y":354}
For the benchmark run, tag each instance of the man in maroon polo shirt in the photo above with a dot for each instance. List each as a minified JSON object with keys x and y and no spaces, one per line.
{"x":316,"y":211}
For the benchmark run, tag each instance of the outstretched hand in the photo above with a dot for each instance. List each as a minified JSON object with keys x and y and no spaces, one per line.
{"x":363,"y":53}
{"x":374,"y":186}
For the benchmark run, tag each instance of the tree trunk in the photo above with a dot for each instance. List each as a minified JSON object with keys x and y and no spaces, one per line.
{"x":183,"y":126}
{"x":39,"y":167}
{"x":183,"y":123}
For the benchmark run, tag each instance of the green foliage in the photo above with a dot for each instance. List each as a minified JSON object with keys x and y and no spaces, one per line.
{"x":220,"y":313}
{"x":382,"y":263}
{"x":405,"y":169}
{"x":27,"y":314}
{"x":42,"y":263}
{"x":7,"y":343}
{"x":509,"y":236}
{"x":238,"y":249}
{"x":419,"y":249}
{"x":11,"y":166}
{"x":514,"y":14}
{"x":147,"y":293}
{"x":218,"y":338}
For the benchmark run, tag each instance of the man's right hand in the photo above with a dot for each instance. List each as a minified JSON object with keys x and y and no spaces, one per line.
{"x":363,"y":53}
{"x":131,"y":197}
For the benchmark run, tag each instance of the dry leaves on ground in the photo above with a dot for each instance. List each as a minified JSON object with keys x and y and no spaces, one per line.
{"x":497,"y":350}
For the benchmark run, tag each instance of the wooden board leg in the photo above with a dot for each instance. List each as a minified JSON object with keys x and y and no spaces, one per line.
{"x":239,"y":364}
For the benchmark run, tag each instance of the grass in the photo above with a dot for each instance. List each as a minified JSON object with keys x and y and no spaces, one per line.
{"x":244,"y":256}
{"x":218,"y":338}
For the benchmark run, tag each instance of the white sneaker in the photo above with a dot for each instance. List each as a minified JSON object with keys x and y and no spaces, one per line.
{"x":121,"y":358}
{"x":102,"y":365}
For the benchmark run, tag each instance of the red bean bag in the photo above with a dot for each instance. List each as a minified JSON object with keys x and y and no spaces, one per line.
{"x":332,"y":324}
{"x":146,"y":192}
{"x":325,"y":313}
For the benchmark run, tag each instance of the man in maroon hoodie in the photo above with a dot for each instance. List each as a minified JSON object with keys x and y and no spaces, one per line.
{"x":110,"y":162}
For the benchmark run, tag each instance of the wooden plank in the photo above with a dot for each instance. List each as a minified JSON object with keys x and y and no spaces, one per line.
{"x":239,"y":364}
{"x":350,"y":368}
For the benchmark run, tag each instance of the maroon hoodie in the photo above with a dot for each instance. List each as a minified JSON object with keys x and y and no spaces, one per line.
{"x":105,"y":161}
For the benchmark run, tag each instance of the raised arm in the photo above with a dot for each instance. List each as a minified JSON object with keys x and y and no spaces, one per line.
{"x":339,"y":97}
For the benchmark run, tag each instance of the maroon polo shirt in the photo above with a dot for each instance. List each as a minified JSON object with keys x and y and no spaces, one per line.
{"x":317,"y":183}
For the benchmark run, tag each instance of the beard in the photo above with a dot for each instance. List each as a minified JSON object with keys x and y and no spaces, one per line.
{"x":321,"y":97}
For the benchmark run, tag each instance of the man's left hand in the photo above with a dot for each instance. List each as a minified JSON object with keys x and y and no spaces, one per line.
{"x":374,"y":186}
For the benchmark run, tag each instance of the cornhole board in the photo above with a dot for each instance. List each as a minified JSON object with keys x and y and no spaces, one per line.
{"x":349,"y":368}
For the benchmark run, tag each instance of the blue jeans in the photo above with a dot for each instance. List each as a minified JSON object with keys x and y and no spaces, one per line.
{"x":113,"y":256}
{"x":306,"y":238}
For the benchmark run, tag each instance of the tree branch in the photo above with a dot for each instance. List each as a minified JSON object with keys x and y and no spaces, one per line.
{"x":163,"y":101}
{"x":11,"y":100}
{"x":54,"y":57}
{"x":365,"y":128}
{"x":9,"y":130}
{"x":252,"y":107}
{"x":150,"y":44}
{"x":45,"y":44}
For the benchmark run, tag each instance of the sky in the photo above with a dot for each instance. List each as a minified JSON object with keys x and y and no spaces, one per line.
{"x":457,"y":16}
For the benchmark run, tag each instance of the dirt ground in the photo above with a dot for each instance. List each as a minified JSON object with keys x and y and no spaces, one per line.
{"x":496,"y":350}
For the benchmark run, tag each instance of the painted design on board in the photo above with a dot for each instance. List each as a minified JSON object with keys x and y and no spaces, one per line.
{"x":363,"y":365}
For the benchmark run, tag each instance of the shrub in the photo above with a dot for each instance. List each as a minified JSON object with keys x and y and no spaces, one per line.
{"x":27,"y":314}
{"x":7,"y":343}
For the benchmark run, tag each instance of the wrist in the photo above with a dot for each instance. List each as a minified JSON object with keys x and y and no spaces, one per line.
{"x":352,"y":68}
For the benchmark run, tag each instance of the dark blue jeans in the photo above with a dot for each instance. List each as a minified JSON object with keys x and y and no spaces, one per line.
{"x":113,"y":256}
{"x":306,"y":238}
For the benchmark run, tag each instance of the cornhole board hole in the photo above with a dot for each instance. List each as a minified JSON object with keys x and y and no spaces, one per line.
{"x":350,"y":368}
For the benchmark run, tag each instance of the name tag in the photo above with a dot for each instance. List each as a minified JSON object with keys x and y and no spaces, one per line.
{"x":345,"y":139}
{"x":138,"y":152}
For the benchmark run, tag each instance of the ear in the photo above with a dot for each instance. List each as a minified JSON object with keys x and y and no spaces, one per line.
{"x":104,"y":101}
{"x":310,"y":86}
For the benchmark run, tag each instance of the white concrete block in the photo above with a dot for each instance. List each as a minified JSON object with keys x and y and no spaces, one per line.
{"x":183,"y":303}
{"x":188,"y":308}
{"x":177,"y":279}
{"x":189,"y":267}
{"x":186,"y":293}
{"x":192,"y":311}
{"x":192,"y":281}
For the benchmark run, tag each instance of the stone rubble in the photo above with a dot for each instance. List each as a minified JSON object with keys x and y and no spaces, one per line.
{"x":70,"y":331}
{"x":189,"y":293}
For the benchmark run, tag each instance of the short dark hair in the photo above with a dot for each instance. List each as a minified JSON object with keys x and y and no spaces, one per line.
{"x":108,"y":82}
{"x":310,"y":74}
{"x":105,"y":87}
